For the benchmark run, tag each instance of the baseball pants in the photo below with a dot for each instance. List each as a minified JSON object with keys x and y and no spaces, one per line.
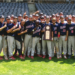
{"x":35,"y":42}
{"x":1,"y":42}
{"x":55,"y":44}
{"x":44,"y":42}
{"x":71,"y":44}
{"x":62,"y":43}
{"x":27,"y":44}
{"x":5,"y":45}
{"x":10,"y":40}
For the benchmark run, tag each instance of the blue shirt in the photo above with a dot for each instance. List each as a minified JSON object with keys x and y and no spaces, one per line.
{"x":62,"y":28}
{"x":55,"y":32}
{"x":9,"y":26}
{"x":71,"y":29}
{"x":37,"y":32}
{"x":30,"y":26}
{"x":18,"y":37}
{"x":1,"y":25}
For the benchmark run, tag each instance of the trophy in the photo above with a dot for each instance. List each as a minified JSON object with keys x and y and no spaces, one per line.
{"x":48,"y":33}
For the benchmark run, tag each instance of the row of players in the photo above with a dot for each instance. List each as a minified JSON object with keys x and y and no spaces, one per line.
{"x":31,"y":30}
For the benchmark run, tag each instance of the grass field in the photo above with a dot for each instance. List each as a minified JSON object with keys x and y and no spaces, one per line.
{"x":37,"y":66}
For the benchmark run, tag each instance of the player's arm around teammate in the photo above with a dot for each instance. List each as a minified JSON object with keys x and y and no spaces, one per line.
{"x":10,"y":38}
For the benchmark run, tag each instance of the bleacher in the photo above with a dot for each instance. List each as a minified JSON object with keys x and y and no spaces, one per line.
{"x":50,"y":8}
{"x":13,"y":8}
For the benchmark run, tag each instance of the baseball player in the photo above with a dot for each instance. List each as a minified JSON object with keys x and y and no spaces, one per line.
{"x":63,"y":37}
{"x":2,"y":37}
{"x":36,"y":39}
{"x":10,"y":38}
{"x":44,"y":41}
{"x":29,"y":25}
{"x":71,"y":38}
{"x":18,"y":37}
{"x":55,"y":39}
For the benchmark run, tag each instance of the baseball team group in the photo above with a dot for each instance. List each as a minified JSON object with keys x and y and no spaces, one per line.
{"x":29,"y":31}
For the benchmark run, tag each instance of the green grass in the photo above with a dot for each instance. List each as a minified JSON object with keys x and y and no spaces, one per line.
{"x":38,"y":66}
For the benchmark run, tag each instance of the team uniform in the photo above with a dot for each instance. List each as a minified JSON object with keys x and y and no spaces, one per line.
{"x":62,"y":42}
{"x":48,"y":42}
{"x":36,"y":41}
{"x":29,"y":25}
{"x":10,"y":40}
{"x":3,"y":41}
{"x":55,"y":39}
{"x":71,"y":37}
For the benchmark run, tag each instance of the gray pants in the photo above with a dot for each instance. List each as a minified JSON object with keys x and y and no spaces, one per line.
{"x":62,"y":43}
{"x":18,"y":44}
{"x":55,"y":44}
{"x":35,"y":42}
{"x":1,"y":43}
{"x":44,"y":42}
{"x":10,"y":40}
{"x":5,"y":45}
{"x":71,"y":43}
{"x":27,"y":44}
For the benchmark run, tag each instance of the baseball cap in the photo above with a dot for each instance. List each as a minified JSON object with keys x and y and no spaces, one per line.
{"x":53,"y":18}
{"x":66,"y":15}
{"x":57,"y":15}
{"x":19,"y":15}
{"x":30,"y":16}
{"x":12,"y":15}
{"x":37,"y":15}
{"x":61,"y":16}
{"x":8,"y":17}
{"x":41,"y":13}
{"x":15,"y":17}
{"x":23,"y":20}
{"x":47,"y":17}
{"x":2,"y":16}
{"x":69,"y":18}
{"x":37,"y":20}
{"x":73,"y":15}
{"x":26,"y":16}
{"x":53,"y":15}
{"x":33,"y":14}
{"x":42,"y":17}
{"x":61,"y":12}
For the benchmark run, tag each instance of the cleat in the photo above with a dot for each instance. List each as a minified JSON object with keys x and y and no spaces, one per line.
{"x":50,"y":58}
{"x":6,"y":58}
{"x":39,"y":55}
{"x":24,"y":56}
{"x":60,"y":56}
{"x":32,"y":57}
{"x":43,"y":56}
{"x":69,"y":56}
{"x":1,"y":58}
{"x":21,"y":57}
{"x":29,"y":56}
{"x":65,"y":57}
{"x":12,"y":58}
{"x":15,"y":55}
